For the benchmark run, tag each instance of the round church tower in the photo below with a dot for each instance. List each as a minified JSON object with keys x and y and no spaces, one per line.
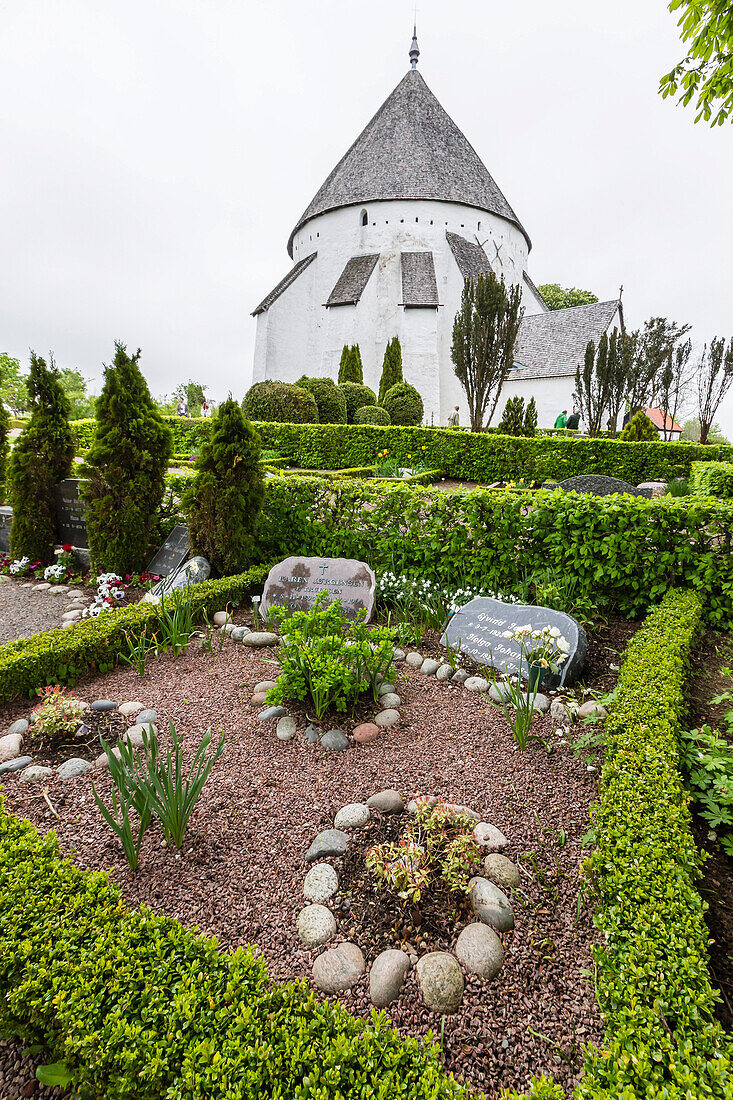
{"x":383,"y":250}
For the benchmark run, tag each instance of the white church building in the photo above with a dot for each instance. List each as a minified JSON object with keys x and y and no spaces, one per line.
{"x":383,"y":249}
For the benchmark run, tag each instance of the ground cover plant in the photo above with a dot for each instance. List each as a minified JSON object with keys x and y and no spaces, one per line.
{"x":328,"y":659}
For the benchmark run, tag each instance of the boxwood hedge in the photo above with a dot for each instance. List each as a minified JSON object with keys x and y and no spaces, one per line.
{"x":662,"y":1040}
{"x":467,"y":456}
{"x":713,"y":479}
{"x":61,"y":656}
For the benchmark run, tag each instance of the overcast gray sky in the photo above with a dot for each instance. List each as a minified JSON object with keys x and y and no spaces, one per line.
{"x":156,"y":154}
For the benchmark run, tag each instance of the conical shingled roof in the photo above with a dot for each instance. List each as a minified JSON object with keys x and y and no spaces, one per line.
{"x":411,"y":149}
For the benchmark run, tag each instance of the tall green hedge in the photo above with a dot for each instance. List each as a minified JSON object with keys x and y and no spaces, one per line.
{"x":469,"y":456}
{"x":662,"y":1039}
{"x":714,"y":479}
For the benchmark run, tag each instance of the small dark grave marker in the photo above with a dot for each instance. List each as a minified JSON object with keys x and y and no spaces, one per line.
{"x":70,"y":514}
{"x":599,"y":485}
{"x":296,"y":582}
{"x":172,"y":553}
{"x":6,"y":519}
{"x":478,"y":628}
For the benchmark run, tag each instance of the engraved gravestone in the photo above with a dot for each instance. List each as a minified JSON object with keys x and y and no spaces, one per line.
{"x":599,"y":485}
{"x":172,"y":553}
{"x":477,"y":629}
{"x":6,"y":518}
{"x":296,"y":582}
{"x":71,"y":513}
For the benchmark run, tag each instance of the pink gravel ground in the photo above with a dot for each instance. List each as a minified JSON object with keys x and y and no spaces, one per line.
{"x":240,"y":873}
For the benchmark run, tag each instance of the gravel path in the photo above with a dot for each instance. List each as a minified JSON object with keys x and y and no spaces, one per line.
{"x":241,"y":870}
{"x":24,"y":612}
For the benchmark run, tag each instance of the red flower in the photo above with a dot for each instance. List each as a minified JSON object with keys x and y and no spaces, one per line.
{"x":67,"y":547}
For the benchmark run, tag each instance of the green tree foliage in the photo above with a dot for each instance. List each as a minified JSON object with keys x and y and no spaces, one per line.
{"x":351,"y":368}
{"x":518,"y":420}
{"x":602,"y":382}
{"x":639,"y":429}
{"x":356,"y":397}
{"x":13,"y":385}
{"x":328,"y":397}
{"x":280,"y":403}
{"x":126,"y":467}
{"x":714,"y":379}
{"x":75,"y":387}
{"x":655,"y":348}
{"x":224,"y":501}
{"x":705,"y":75}
{"x":372,"y":414}
{"x":4,"y":448}
{"x":559,"y":297}
{"x":691,"y":432}
{"x":391,"y":368}
{"x":484,"y":334}
{"x":193,"y":393}
{"x":40,"y":459}
{"x":404,"y":404}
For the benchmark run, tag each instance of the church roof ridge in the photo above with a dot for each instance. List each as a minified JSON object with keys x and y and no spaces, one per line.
{"x":410,"y":149}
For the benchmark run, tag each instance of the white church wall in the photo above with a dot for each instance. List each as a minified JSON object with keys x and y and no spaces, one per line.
{"x":551,"y":395}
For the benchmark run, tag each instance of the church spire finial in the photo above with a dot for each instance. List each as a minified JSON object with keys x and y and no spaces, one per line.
{"x":414,"y":48}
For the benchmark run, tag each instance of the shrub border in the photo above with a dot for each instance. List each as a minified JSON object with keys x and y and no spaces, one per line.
{"x":662,"y":1038}
{"x":714,"y":479}
{"x":62,"y":655}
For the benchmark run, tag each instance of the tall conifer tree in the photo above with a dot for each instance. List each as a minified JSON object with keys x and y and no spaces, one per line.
{"x":126,"y":467}
{"x":391,"y":368}
{"x":224,"y":500}
{"x":40,"y":459}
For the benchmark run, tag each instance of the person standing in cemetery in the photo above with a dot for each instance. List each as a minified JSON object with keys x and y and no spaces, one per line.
{"x":573,"y":420}
{"x":453,"y":418}
{"x":182,"y":407}
{"x":206,"y":408}
{"x":562,"y":420}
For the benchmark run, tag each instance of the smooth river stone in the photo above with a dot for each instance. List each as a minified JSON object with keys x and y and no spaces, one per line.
{"x":335,"y":741}
{"x":414,"y":659}
{"x":15,"y":765}
{"x":429,"y":666}
{"x":321,"y":882}
{"x":490,"y":904}
{"x":130,"y":710}
{"x":444,"y":672}
{"x":35,"y":773}
{"x":389,"y":699}
{"x":389,"y":802}
{"x":316,"y":925}
{"x":476,"y":683}
{"x":441,"y":982}
{"x":387,"y":976}
{"x":488,"y":836}
{"x":271,"y":712}
{"x":387,"y":718}
{"x":338,"y":968}
{"x":480,"y":950}
{"x":286,"y":728}
{"x":329,"y":842}
{"x":263,"y":686}
{"x":71,"y":769}
{"x":366,"y":732}
{"x":145,"y":717}
{"x":353,"y":816}
{"x":21,"y":727}
{"x":10,"y":746}
{"x":260,"y":639}
{"x":501,"y":871}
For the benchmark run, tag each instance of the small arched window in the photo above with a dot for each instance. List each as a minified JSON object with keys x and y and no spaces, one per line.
{"x":364,"y":218}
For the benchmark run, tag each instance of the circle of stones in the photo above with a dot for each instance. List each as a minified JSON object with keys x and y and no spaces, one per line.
{"x":479,"y":949}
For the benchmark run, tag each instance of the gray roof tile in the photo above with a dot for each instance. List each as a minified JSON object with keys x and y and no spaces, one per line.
{"x":534,"y":290}
{"x":411,"y":149}
{"x":469,"y":255}
{"x":419,"y":285}
{"x":352,"y":281}
{"x":552,"y":344}
{"x":290,"y":278}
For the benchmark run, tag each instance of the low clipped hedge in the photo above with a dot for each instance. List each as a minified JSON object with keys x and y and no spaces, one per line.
{"x":662,"y":1039}
{"x":61,"y":656}
{"x":468,"y":456}
{"x":712,"y":479}
{"x":372,"y":414}
{"x":140,"y":1008}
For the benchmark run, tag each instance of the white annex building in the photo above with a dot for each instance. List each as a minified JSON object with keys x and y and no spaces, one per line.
{"x":383,"y":250}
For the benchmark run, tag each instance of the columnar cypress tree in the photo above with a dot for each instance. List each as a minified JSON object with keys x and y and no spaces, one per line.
{"x":39,"y":460}
{"x":224,"y":500}
{"x":348,"y":368}
{"x":126,"y":467}
{"x":391,"y":368}
{"x":358,"y":366}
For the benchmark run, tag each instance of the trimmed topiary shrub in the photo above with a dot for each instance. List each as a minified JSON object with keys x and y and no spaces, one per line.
{"x":404,"y":404}
{"x":280,"y":403}
{"x":224,"y":500}
{"x":356,"y":397}
{"x":372,"y":414}
{"x":391,"y":368}
{"x":639,"y":429}
{"x":329,"y":399}
{"x":350,"y":367}
{"x":516,"y":420}
{"x":125,"y":467}
{"x":41,"y":458}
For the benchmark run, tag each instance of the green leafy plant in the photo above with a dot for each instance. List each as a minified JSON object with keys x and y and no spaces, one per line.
{"x":58,"y":714}
{"x":707,"y":759}
{"x":139,"y":648}
{"x":177,"y":623}
{"x":327,"y":658}
{"x":439,"y":845}
{"x":540,"y":651}
{"x":173,"y":795}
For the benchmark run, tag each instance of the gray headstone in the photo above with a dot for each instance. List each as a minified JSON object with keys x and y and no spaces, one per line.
{"x":296,"y":582}
{"x":172,"y":553}
{"x":71,"y":525}
{"x":6,"y":519}
{"x":194,"y":571}
{"x":599,"y":485}
{"x":478,"y":628}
